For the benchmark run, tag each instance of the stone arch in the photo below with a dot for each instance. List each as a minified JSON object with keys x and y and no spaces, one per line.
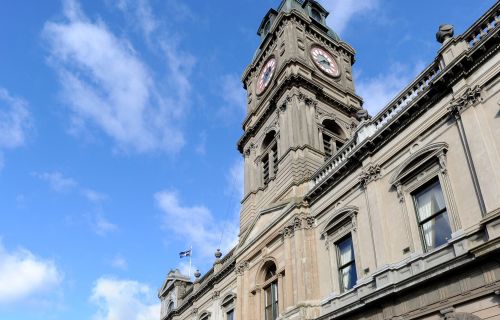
{"x":425,"y":153}
{"x":269,"y":264}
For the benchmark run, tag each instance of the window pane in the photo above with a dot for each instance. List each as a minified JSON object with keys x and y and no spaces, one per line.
{"x":230,"y":315}
{"x":429,"y":201}
{"x":269,"y":313}
{"x":268,"y":297}
{"x":348,"y":277}
{"x":346,"y":252}
{"x":436,"y":231}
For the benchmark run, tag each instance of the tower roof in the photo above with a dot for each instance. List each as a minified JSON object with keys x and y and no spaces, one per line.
{"x":305,"y":7}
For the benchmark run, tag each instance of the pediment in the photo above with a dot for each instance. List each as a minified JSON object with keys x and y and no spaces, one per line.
{"x":263,"y":220}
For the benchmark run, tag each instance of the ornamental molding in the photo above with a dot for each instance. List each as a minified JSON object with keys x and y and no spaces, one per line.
{"x":215,"y":295}
{"x":241,"y":268}
{"x":299,"y":223}
{"x":470,"y":97}
{"x":369,"y":174}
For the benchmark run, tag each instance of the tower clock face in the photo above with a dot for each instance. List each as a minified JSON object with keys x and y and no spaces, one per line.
{"x":266,"y":75}
{"x":324,"y":60}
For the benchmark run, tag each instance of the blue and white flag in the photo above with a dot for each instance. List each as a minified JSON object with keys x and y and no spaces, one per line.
{"x":185,"y":254}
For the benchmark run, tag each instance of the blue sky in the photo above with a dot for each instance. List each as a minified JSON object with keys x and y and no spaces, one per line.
{"x":118,"y":129}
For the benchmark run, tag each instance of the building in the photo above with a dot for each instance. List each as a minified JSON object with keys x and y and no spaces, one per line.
{"x":347,"y":216}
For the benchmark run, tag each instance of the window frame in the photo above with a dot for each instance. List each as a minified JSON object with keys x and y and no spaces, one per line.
{"x":228,"y":305}
{"x":269,"y":157}
{"x":341,"y":225}
{"x":423,"y":166}
{"x":431,"y":181}
{"x":341,"y":267}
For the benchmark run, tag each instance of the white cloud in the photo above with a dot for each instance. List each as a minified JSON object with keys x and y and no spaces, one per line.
{"x":379,"y":90}
{"x":140,"y":12}
{"x":235,"y":179}
{"x":102,"y":226}
{"x":57,"y":181}
{"x":106,"y":84}
{"x":94,"y":196}
{"x":196,"y":225}
{"x":234,"y":97}
{"x":61,"y":183}
{"x":342,"y":11}
{"x":119,"y":262}
{"x":22,"y":275}
{"x":15,"y":120}
{"x":124,"y":299}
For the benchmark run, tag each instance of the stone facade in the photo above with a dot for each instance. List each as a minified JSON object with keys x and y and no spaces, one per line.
{"x":395,"y":216}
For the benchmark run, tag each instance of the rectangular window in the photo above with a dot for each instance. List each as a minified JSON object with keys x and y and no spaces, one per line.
{"x":230,"y":315}
{"x":346,"y":264}
{"x":432,"y":215}
{"x":271,"y":301}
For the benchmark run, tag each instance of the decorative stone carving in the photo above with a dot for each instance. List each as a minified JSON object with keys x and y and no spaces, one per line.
{"x":297,"y":223}
{"x":470,"y":97}
{"x":215,"y":295}
{"x":442,"y":162}
{"x":309,"y":222}
{"x":302,"y":222}
{"x":288,"y":231}
{"x":445,"y":32}
{"x":399,"y":191}
{"x":241,"y":268}
{"x":450,"y":314}
{"x":370,"y":174}
{"x":195,"y":311}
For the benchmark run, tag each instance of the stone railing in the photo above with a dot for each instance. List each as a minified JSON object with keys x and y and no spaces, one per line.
{"x":407,"y":96}
{"x":483,"y":27}
{"x":369,"y":128}
{"x":473,"y":36}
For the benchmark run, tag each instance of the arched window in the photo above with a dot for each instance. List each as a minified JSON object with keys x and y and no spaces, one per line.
{"x":269,"y":157}
{"x":422,"y":185}
{"x":333,"y":137}
{"x":267,"y":27}
{"x":316,"y":15}
{"x":340,"y":234}
{"x":228,"y":305}
{"x":271,"y":292}
{"x":170,"y":307}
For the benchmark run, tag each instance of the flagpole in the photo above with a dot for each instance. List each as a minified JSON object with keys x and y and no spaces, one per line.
{"x":191,"y":250}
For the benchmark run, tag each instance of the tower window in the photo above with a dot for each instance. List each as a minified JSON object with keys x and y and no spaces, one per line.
{"x":267,"y":27}
{"x":346,"y":264}
{"x":316,"y":15}
{"x":333,"y":138}
{"x":432,"y":215}
{"x":269,"y":160}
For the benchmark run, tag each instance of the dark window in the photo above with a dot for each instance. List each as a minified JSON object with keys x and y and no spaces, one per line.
{"x":432,"y":215}
{"x":316,"y":15}
{"x":170,"y":307}
{"x":269,"y":157}
{"x":271,"y":301}
{"x":265,"y":168}
{"x":333,"y":138}
{"x":230,"y":315}
{"x":346,"y":264}
{"x":267,"y":27}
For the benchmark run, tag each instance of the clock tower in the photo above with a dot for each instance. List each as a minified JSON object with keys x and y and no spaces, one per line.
{"x":301,"y":106}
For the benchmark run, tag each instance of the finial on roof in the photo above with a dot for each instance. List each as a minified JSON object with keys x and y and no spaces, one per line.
{"x":218,"y":254}
{"x":445,"y":32}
